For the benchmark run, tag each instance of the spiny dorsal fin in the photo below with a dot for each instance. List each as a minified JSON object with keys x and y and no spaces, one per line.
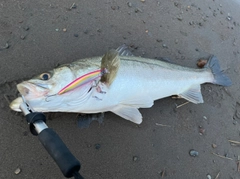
{"x":110,"y":64}
{"x":123,"y":50}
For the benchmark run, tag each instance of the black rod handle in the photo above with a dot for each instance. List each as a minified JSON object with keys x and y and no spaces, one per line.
{"x":65,"y":160}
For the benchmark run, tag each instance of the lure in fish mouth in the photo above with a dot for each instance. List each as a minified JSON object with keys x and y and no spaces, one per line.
{"x":127,"y":84}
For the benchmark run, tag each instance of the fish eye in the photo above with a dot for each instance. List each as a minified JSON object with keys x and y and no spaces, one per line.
{"x":45,"y":76}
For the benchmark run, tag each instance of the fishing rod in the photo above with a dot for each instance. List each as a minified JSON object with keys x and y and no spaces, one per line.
{"x":56,"y":148}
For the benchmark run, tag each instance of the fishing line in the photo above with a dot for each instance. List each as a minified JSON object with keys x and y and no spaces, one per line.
{"x":108,"y":2}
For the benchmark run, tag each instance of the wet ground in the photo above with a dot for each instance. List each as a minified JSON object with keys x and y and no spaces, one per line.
{"x":36,"y":36}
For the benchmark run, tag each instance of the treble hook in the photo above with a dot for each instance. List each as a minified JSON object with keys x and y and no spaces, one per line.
{"x":46,"y":99}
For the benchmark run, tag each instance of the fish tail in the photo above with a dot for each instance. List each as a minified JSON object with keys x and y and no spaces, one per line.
{"x":219,"y":77}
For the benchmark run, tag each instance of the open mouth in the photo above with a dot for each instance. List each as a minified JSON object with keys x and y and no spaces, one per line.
{"x":32,"y":89}
{"x":23,"y":88}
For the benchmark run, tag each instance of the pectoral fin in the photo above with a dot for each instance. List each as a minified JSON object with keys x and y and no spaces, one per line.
{"x":193,"y":94}
{"x":129,"y":113}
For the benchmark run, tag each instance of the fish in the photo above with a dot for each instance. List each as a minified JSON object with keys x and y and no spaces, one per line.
{"x":133,"y":83}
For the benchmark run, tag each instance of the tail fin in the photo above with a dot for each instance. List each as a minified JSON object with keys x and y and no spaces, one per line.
{"x":219,"y":77}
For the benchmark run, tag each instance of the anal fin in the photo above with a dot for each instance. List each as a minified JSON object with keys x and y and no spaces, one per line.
{"x":193,"y":94}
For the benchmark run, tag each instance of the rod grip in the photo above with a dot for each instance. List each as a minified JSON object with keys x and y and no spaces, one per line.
{"x":65,"y":160}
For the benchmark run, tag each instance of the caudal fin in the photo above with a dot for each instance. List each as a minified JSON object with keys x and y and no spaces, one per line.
{"x":219,"y":77}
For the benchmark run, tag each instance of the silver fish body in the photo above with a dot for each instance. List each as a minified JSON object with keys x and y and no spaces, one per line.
{"x":138,"y":83}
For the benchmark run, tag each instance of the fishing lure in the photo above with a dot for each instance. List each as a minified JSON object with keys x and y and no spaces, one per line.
{"x":82,"y":80}
{"x":109,"y":67}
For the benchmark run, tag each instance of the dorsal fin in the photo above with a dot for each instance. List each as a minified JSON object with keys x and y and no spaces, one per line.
{"x":123,"y":50}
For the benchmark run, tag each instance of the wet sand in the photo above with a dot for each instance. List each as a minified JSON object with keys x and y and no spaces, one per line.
{"x":37,"y":36}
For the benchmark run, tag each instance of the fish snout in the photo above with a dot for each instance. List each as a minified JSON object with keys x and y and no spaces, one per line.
{"x":15,"y":104}
{"x":24,"y":88}
{"x":31,"y":90}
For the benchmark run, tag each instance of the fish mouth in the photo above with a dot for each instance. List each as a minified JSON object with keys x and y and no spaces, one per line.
{"x":30,"y":90}
{"x":23,"y":88}
{"x":26,"y":88}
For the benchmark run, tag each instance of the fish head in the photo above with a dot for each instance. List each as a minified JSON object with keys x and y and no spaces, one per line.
{"x":46,"y":84}
{"x":37,"y":90}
